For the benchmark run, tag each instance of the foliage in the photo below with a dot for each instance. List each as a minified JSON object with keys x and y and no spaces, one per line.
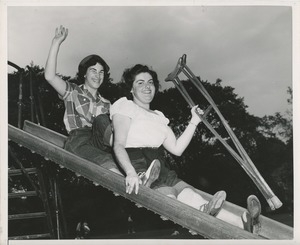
{"x":278,"y":125}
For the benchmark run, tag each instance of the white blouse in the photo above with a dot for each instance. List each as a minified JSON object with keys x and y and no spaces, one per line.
{"x":147,"y":129}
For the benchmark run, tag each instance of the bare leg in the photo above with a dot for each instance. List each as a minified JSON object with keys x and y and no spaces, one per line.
{"x":230,"y":218}
{"x":191,"y":198}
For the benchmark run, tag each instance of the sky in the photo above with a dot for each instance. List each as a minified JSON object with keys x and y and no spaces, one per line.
{"x":247,"y":47}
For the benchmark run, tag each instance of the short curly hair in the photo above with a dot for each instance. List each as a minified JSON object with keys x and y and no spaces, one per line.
{"x":129,"y":75}
{"x":90,"y":61}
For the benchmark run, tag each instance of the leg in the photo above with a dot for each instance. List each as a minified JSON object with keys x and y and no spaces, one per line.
{"x":78,"y":143}
{"x":191,"y":198}
{"x":249,"y":220}
{"x":186,"y":191}
{"x":168,"y":191}
{"x":230,"y":218}
{"x":188,"y":195}
{"x":169,"y":184}
{"x":151,"y":174}
{"x":148,"y":173}
{"x":102,"y":133}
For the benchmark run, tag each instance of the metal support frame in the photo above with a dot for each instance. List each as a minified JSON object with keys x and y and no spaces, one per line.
{"x":41,"y":192}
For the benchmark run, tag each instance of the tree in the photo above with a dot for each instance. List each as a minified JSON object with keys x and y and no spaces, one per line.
{"x":277,"y":130}
{"x":279,"y":125}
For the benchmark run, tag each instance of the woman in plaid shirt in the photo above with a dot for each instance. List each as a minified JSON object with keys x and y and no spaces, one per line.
{"x":85,"y":110}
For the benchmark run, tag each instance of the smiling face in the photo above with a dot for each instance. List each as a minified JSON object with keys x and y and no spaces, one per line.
{"x":143,"y":89}
{"x":94,"y":77}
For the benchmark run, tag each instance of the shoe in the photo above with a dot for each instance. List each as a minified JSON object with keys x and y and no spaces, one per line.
{"x":250,"y":218}
{"x":254,"y":208}
{"x":214,"y":206}
{"x":151,"y":174}
{"x":246,"y":219}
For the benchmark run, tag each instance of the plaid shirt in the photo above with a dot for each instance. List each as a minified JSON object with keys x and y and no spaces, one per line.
{"x":82,"y":107}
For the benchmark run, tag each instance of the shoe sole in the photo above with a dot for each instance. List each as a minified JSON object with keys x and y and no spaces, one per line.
{"x":154,"y":172}
{"x":217,"y":203}
{"x":254,"y":208}
{"x":246,"y":219}
{"x":250,"y":218}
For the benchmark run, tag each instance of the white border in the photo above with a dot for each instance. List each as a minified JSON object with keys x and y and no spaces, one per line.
{"x":3,"y":109}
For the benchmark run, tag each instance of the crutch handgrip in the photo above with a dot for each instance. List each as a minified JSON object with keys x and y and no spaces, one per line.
{"x":203,"y":116}
{"x":208,"y":109}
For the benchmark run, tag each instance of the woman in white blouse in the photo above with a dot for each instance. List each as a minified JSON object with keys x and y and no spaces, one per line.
{"x":142,"y":134}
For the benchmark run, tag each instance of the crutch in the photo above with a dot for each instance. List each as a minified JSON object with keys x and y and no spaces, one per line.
{"x":242,"y":158}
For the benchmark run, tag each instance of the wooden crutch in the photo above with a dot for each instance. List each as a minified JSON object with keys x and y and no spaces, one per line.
{"x":242,"y":157}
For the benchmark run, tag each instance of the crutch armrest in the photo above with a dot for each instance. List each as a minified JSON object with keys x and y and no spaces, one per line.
{"x":180,"y":64}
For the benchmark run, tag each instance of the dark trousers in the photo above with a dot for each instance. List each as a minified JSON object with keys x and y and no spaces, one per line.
{"x":93,"y":143}
{"x":141,"y":159}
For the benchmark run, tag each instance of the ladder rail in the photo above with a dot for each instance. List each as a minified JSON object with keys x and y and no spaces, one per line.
{"x":46,"y":202}
{"x":40,"y":192}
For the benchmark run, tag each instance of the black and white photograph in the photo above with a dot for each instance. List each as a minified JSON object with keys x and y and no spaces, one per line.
{"x":139,"y":122}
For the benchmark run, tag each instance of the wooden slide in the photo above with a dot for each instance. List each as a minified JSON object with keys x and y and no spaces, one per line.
{"x":50,"y":144}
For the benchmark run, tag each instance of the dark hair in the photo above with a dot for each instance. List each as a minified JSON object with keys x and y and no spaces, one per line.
{"x":90,"y":61}
{"x":129,"y":75}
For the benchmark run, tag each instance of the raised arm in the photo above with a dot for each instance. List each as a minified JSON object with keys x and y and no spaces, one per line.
{"x":177,"y":146}
{"x":50,"y":69}
{"x":121,"y":127}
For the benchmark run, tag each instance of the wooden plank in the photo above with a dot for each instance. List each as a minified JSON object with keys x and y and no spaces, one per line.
{"x":45,"y":133}
{"x":271,"y":229}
